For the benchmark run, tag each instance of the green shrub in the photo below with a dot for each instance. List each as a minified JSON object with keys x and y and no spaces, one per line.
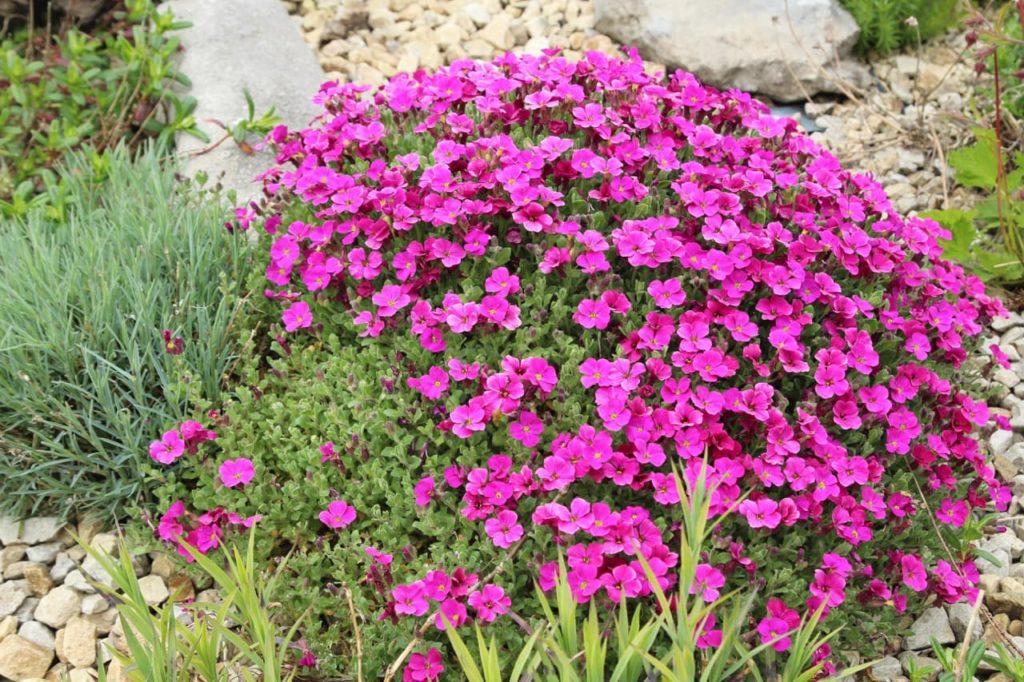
{"x":884,"y":25}
{"x":85,"y":380}
{"x":61,"y":90}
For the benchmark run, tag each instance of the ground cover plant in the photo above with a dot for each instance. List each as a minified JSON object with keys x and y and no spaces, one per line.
{"x":512,"y":295}
{"x":112,"y":322}
{"x":988,"y":237}
{"x":888,"y":25}
{"x":65,"y":87}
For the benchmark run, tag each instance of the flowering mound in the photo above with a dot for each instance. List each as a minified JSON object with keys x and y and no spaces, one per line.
{"x":573,"y":277}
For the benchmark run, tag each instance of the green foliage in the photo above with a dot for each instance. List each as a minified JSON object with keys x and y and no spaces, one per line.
{"x":884,"y":25}
{"x":62,"y":91}
{"x":85,"y":382}
{"x":989,"y":238}
{"x":235,"y":638}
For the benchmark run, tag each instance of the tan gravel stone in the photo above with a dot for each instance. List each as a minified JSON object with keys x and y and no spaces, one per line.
{"x":21,"y":659}
{"x":80,"y":643}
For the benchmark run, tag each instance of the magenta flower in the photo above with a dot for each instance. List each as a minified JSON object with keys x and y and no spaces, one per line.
{"x":775,"y":630}
{"x":424,"y":667}
{"x":410,"y":600}
{"x":527,"y":429}
{"x":169,"y":448}
{"x":338,"y":514}
{"x":707,"y":580}
{"x":504,"y":529}
{"x":390,"y":299}
{"x":424,"y":491}
{"x":297,"y":316}
{"x":591,"y":314}
{"x":236,"y":472}
{"x":466,"y":420}
{"x":914,"y":574}
{"x":173,"y":345}
{"x":490,"y":601}
{"x":763,"y":513}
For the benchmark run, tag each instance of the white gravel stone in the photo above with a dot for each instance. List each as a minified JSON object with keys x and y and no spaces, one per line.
{"x":12,"y":595}
{"x":933,"y":623}
{"x":34,"y":631}
{"x":1000,"y":441}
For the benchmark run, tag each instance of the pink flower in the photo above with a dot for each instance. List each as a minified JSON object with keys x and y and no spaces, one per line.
{"x":424,"y":491}
{"x":490,"y":601}
{"x":707,"y":580}
{"x":466,"y":420}
{"x":527,"y":429}
{"x":763,"y":513}
{"x":591,"y":314}
{"x":297,"y":316}
{"x":410,"y":600}
{"x":504,"y":529}
{"x":236,"y":472}
{"x":914,"y":575}
{"x":775,"y":630}
{"x":338,"y":514}
{"x":424,"y":668}
{"x":390,"y":299}
{"x":169,"y":448}
{"x":953,"y":513}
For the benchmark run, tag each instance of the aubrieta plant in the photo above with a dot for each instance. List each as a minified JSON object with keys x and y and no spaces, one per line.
{"x":550,"y":282}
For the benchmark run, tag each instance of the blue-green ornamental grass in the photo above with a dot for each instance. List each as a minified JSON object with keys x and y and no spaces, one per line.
{"x":86,"y":378}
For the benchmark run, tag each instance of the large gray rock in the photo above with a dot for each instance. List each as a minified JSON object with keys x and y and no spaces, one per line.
{"x":754,"y":45}
{"x":33,"y":531}
{"x":233,"y":46}
{"x":933,"y":623}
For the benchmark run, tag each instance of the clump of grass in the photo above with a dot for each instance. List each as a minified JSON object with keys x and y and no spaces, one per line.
{"x":85,"y":378}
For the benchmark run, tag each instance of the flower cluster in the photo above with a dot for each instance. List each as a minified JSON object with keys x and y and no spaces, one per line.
{"x":451,"y":594}
{"x":176,"y":442}
{"x":731,"y":294}
{"x":202,"y":532}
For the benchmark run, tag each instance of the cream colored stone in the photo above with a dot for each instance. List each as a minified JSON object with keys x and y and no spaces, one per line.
{"x":58,"y":607}
{"x":154,"y":590}
{"x":21,"y":659}
{"x":80,"y":643}
{"x":497,"y":33}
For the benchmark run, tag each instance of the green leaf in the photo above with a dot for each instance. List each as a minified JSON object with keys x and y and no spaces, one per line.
{"x":975,"y":165}
{"x":961,"y":224}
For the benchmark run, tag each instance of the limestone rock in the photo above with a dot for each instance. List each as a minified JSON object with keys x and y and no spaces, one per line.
{"x":21,"y":659}
{"x":959,"y":618}
{"x":37,"y":577}
{"x":12,"y":594}
{"x":45,"y":553}
{"x":498,"y":32}
{"x":79,"y":643}
{"x":34,"y":531}
{"x":11,"y":555}
{"x":153,"y":589}
{"x":746,"y":44}
{"x":94,"y":603}
{"x":62,"y":565}
{"x":59,"y":606}
{"x":78,"y":582}
{"x":887,"y":669}
{"x":933,"y":623}
{"x":8,"y":626}
{"x":34,"y":631}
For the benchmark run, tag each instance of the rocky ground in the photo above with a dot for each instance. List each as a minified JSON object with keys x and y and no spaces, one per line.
{"x":368,"y":42}
{"x":55,"y":625}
